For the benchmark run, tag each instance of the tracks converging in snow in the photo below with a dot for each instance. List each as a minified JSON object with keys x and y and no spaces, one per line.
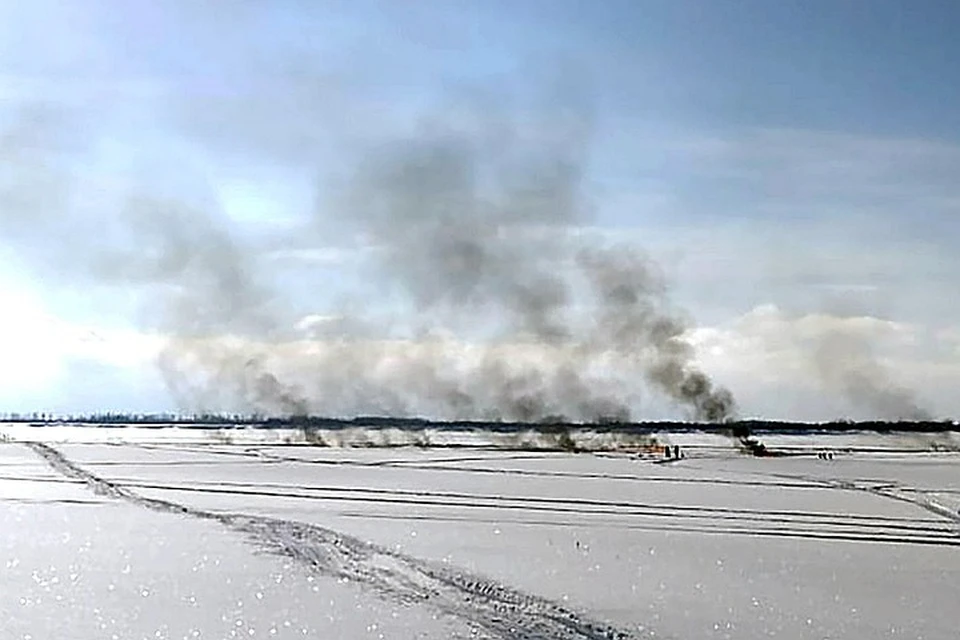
{"x":492,"y":609}
{"x":565,"y":510}
{"x":642,"y":516}
{"x":351,"y":542}
{"x":894,"y":491}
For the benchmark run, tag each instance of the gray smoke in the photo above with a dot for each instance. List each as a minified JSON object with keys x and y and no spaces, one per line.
{"x":476,"y":234}
{"x":847,"y":363}
{"x":500,"y":309}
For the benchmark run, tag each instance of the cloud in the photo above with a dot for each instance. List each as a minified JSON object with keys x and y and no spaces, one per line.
{"x":767,"y":356}
{"x":30,"y":341}
{"x":819,"y":366}
{"x":773,"y":361}
{"x":47,"y":361}
{"x":320,"y":256}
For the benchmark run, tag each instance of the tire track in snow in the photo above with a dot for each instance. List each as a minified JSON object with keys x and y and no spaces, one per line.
{"x":491,"y":608}
{"x":268,"y":457}
{"x":548,"y":505}
{"x":891,"y":490}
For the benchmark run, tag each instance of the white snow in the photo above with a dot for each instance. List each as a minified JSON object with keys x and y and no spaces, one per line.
{"x":171,"y":533}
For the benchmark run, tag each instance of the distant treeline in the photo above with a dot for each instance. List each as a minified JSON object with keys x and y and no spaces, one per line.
{"x":738,"y":428}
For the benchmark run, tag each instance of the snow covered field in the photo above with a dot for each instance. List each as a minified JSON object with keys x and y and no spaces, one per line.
{"x":173,"y":533}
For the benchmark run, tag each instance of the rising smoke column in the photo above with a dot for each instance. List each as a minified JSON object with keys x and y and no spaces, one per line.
{"x":474,"y":237}
{"x":632,"y":319}
{"x":202,"y":285}
{"x":503,"y":310}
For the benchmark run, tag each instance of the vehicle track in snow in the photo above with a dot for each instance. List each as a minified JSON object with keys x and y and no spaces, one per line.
{"x":491,"y":609}
{"x":887,"y":489}
{"x":432,"y":505}
{"x":629,"y":515}
{"x":269,"y":457}
{"x":894,"y":491}
{"x":570,"y":512}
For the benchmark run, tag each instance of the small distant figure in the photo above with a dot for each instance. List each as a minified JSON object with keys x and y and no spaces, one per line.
{"x":676,"y":451}
{"x":666,"y":452}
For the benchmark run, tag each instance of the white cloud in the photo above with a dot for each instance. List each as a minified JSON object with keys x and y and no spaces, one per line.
{"x":316,"y":255}
{"x":41,"y":351}
{"x":805,"y":366}
{"x":767,"y":356}
{"x":30,"y":342}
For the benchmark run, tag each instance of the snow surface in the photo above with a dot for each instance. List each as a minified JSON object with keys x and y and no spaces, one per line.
{"x":173,"y":533}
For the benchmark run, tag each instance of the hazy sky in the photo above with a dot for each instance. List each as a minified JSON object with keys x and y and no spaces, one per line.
{"x":793,"y":166}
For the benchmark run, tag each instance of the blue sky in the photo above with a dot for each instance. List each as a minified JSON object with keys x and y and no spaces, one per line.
{"x":847,"y":65}
{"x":792,"y":161}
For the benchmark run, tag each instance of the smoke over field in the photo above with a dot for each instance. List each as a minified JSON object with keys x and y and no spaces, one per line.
{"x":846,"y":363}
{"x":498,"y":306}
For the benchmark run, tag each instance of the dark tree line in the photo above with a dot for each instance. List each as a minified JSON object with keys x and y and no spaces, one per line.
{"x":740,"y":429}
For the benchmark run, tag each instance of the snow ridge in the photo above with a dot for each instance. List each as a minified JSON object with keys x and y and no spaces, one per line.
{"x":492,"y":609}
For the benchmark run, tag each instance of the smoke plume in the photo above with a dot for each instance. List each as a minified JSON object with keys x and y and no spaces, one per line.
{"x":846,"y":363}
{"x":498,"y":307}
